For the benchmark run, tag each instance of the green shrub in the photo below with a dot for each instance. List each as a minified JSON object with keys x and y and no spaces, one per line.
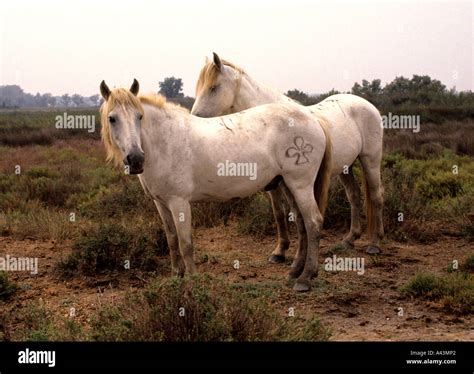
{"x":199,"y":308}
{"x":422,"y":285}
{"x":111,"y":246}
{"x":455,"y":291}
{"x":468,"y":264}
{"x":40,"y":325}
{"x":440,"y":185}
{"x":7,"y":287}
{"x":257,"y":218}
{"x":211,"y":214}
{"x":338,"y":211}
{"x":118,"y":200}
{"x":467,"y":230}
{"x":312,"y":330}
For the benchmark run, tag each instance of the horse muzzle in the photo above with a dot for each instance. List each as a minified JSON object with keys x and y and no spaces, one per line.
{"x":135,"y":160}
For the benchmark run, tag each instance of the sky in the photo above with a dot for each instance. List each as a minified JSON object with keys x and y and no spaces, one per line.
{"x":70,"y":46}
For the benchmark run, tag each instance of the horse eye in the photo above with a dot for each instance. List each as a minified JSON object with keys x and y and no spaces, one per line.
{"x":112,"y":119}
{"x":141,"y":117}
{"x":213,"y":88}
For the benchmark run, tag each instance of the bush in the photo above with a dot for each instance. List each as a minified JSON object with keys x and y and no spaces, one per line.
{"x":107,"y":247}
{"x":312,"y":330}
{"x":198,"y":308}
{"x":7,"y":287}
{"x":42,"y":223}
{"x":5,"y":334}
{"x":40,"y":325}
{"x":118,"y":200}
{"x":427,"y":193}
{"x":338,"y":212}
{"x":422,"y":285}
{"x":467,"y":230}
{"x":455,"y":291}
{"x":257,"y":217}
{"x":468,"y":264}
{"x":439,"y":186}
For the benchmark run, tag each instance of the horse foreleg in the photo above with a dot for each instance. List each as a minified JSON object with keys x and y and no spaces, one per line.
{"x":278,"y":255}
{"x":181,"y":212}
{"x":177,"y":264}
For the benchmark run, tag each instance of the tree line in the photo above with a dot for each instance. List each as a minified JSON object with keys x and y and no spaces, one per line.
{"x":419,"y":95}
{"x":13,"y":96}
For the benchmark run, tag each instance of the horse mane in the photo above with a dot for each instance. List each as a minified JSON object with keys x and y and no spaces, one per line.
{"x":160,"y":102}
{"x":210,"y":72}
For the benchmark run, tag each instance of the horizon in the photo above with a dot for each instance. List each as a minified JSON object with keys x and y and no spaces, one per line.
{"x":44,"y":49}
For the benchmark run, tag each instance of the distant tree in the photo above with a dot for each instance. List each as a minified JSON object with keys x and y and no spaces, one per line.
{"x":66,"y":99}
{"x":185,"y":101}
{"x":13,"y":91}
{"x":77,"y":99}
{"x":368,"y":90}
{"x":300,"y":96}
{"x":420,"y":89}
{"x":95,"y":99}
{"x":39,"y":101}
{"x":49,"y":100}
{"x":171,"y":87}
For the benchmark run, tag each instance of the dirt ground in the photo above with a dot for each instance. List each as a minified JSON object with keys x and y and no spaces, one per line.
{"x":355,"y":307}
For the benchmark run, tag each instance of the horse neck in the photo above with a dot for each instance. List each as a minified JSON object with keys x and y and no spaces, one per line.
{"x":165,"y":122}
{"x":253,"y":93}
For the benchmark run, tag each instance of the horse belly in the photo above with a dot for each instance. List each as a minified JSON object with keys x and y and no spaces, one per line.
{"x":232,"y":177}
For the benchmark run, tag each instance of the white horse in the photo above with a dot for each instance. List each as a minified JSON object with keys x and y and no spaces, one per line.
{"x":181,"y":158}
{"x":355,"y":129}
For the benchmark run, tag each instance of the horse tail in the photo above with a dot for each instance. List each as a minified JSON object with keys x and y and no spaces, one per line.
{"x":323,"y":179}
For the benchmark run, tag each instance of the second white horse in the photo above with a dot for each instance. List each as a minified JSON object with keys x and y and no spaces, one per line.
{"x":355,"y":127}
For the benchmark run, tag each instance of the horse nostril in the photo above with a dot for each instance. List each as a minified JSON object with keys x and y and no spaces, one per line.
{"x":135,"y":159}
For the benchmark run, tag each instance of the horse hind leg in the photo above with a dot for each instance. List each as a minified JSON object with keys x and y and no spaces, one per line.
{"x":278,"y":254}
{"x":351,"y":186}
{"x":374,"y":202}
{"x":300,"y":257}
{"x":308,"y":208}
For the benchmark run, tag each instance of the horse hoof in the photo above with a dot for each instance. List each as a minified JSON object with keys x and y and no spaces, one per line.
{"x":301,"y":287}
{"x":373,"y":250}
{"x":276,"y":259}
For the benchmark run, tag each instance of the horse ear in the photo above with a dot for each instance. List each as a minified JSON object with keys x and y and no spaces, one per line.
{"x":104,"y":90}
{"x":135,"y":87}
{"x":217,"y":61}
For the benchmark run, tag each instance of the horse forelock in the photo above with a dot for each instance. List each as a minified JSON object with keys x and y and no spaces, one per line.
{"x":210,"y":72}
